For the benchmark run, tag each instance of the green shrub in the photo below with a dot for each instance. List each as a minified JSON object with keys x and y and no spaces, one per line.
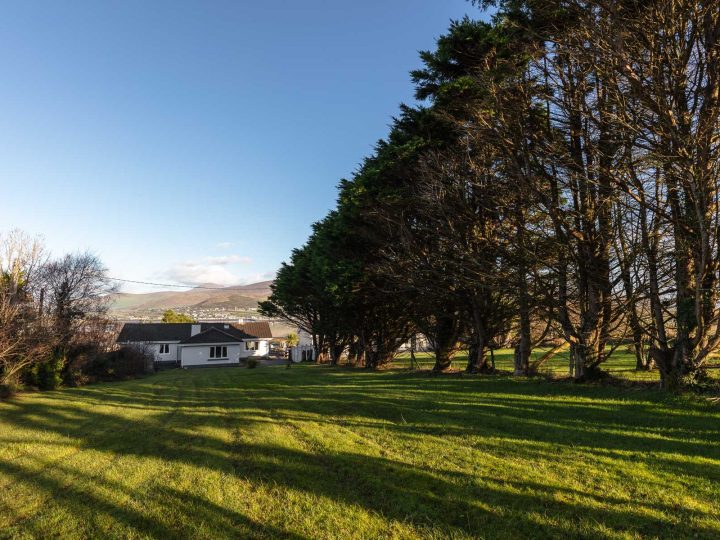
{"x":122,"y":363}
{"x":7,"y":390}
{"x":252,"y":363}
{"x":47,"y":375}
{"x":76,"y":369}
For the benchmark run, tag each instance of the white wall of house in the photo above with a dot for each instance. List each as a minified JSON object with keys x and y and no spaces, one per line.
{"x":173,"y":354}
{"x":304,"y":338}
{"x":302,"y":353}
{"x":262,"y":348}
{"x":304,"y":350}
{"x":199,"y":355}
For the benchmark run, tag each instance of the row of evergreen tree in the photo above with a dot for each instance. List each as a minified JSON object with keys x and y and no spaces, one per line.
{"x":557,"y":183}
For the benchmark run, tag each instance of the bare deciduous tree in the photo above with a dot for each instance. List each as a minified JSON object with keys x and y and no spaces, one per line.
{"x":77,"y":291}
{"x":22,"y":337}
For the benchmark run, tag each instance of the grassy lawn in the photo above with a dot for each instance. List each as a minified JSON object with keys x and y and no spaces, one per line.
{"x":621,"y":364}
{"x":316,"y":452}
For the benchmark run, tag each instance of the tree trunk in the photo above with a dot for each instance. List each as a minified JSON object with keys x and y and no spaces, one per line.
{"x":523,"y":347}
{"x":316,"y":347}
{"x":447,"y":330}
{"x":476,"y":354}
{"x":578,"y":357}
{"x":477,"y":362}
{"x":336,"y":350}
{"x":413,"y":346}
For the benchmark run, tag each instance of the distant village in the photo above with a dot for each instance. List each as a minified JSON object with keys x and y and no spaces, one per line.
{"x":208,"y":314}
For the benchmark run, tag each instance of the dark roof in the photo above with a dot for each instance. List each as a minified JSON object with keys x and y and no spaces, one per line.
{"x":138,"y":332}
{"x":257,"y":329}
{"x":143,"y":332}
{"x":212,"y":335}
{"x":229,"y":329}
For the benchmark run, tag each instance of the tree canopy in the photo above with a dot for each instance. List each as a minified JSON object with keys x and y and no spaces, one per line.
{"x":170,"y":316}
{"x":556,"y":183}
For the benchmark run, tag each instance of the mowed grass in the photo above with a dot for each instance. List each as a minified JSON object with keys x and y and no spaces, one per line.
{"x":320,"y":452}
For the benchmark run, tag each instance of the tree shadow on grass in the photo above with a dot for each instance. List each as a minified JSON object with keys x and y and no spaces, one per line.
{"x":437,"y":501}
{"x":86,"y":503}
{"x":448,"y":503}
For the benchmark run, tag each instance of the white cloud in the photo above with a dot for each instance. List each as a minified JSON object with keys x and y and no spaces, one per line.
{"x":207,"y":270}
{"x":198,"y":274}
{"x":227,"y":259}
{"x":249,"y":279}
{"x":224,"y":245}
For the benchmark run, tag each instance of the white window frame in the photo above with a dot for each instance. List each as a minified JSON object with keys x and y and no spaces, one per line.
{"x":218,"y":352}
{"x":164,"y":348}
{"x":254,"y":346}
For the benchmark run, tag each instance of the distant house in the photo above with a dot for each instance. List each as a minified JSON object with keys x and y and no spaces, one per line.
{"x":304,"y":350}
{"x":202,"y":344}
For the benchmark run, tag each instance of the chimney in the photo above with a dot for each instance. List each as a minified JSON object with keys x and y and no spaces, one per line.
{"x":194,"y":329}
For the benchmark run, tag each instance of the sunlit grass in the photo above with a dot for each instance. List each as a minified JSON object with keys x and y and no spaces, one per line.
{"x":620,"y":364}
{"x":316,"y":452}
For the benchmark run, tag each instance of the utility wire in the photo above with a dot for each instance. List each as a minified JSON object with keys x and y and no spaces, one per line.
{"x":231,"y":288}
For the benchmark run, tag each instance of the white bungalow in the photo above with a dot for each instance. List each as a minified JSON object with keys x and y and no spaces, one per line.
{"x":203,"y":344}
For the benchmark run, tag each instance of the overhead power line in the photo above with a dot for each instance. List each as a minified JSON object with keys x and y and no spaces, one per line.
{"x":231,"y":288}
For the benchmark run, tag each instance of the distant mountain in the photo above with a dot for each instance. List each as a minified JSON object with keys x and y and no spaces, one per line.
{"x":241,"y":296}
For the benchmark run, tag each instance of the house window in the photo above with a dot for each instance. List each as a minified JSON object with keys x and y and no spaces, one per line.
{"x":218,"y":352}
{"x":251,"y":345}
{"x":164,"y":348}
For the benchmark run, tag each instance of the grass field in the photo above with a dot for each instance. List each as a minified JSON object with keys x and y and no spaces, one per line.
{"x":621,"y":364}
{"x":317,"y":452}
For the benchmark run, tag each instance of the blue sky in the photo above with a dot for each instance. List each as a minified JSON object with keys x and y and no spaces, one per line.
{"x":195,"y":142}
